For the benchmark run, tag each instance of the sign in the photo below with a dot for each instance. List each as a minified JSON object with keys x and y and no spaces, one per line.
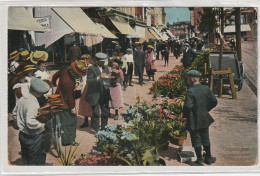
{"x":45,"y":22}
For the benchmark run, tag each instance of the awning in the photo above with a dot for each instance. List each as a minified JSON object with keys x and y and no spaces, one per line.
{"x":58,"y":26}
{"x":20,"y":19}
{"x":170,"y":33}
{"x":78,"y":20}
{"x":157,"y":32}
{"x":154,"y":34}
{"x":122,"y":25}
{"x":105,"y":32}
{"x":164,"y":36}
{"x":148,"y":36}
{"x":230,"y":29}
{"x":91,"y":40}
{"x":139,"y":32}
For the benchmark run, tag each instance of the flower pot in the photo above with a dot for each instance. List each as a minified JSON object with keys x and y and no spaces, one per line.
{"x":178,"y":141}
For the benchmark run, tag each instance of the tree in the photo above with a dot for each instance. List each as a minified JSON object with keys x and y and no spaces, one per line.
{"x":238,"y":33}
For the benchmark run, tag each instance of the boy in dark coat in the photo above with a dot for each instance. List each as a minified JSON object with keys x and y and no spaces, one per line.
{"x":199,"y":101}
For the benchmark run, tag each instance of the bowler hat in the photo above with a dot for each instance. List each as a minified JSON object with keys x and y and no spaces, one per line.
{"x":193,"y":73}
{"x":39,"y":86}
{"x":101,"y":57}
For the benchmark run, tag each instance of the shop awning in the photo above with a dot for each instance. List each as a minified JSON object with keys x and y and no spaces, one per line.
{"x":105,"y":32}
{"x":57,"y":25}
{"x":170,"y":33}
{"x":139,"y":32}
{"x":154,"y":34}
{"x":148,"y":36}
{"x":78,"y":21}
{"x":122,"y":25}
{"x":20,"y":19}
{"x":231,"y":29}
{"x":164,"y":36}
{"x":157,"y":32}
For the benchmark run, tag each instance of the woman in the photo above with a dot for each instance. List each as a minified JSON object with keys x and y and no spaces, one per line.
{"x":150,"y":57}
{"x":130,"y":66}
{"x":117,"y":79}
{"x":124,"y":68}
{"x":85,"y":109}
{"x":41,"y":72}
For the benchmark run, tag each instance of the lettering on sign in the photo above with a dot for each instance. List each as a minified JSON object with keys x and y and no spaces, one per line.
{"x":45,"y":22}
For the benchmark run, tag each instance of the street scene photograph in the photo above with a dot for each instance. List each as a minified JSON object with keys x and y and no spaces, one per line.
{"x":132,"y":86}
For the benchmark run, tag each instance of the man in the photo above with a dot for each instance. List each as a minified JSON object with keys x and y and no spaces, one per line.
{"x":158,"y":49}
{"x":69,"y":89}
{"x":199,"y":101}
{"x":139,"y":61}
{"x":31,"y":130}
{"x":188,"y":56}
{"x":74,"y":53}
{"x":98,"y":93}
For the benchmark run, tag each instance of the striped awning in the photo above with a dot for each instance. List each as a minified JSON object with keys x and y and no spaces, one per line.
{"x":154,"y":34}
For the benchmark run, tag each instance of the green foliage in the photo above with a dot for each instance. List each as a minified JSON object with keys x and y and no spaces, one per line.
{"x":66,"y":158}
{"x":208,"y":21}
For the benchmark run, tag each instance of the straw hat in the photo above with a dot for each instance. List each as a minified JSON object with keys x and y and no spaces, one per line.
{"x":137,"y":43}
{"x":23,"y":72}
{"x":39,"y":55}
{"x":25,"y":55}
{"x":13,"y":55}
{"x":78,"y":68}
{"x":150,"y":46}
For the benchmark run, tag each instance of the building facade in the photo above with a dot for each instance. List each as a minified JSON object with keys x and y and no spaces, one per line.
{"x":181,"y":30}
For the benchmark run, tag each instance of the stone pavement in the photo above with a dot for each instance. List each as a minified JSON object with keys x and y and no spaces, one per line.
{"x":249,"y":58}
{"x":233,"y":135}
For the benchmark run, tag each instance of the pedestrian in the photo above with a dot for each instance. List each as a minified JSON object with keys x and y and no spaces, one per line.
{"x":130,"y":66}
{"x":199,"y":101}
{"x":158,"y":49}
{"x":98,"y":93}
{"x":124,"y":68}
{"x":85,"y":109}
{"x":188,"y":56}
{"x":139,"y":59}
{"x":150,"y":58}
{"x":116,"y":94}
{"x":74,"y":52}
{"x":166,"y":56}
{"x":163,"y":45}
{"x":14,"y":57}
{"x":69,"y":89}
{"x":41,"y":70}
{"x":31,"y":130}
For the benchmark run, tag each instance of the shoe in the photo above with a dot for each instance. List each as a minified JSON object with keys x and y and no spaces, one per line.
{"x":85,"y":124}
{"x":197,"y":163}
{"x":210,"y":160}
{"x":116,"y":117}
{"x":130,"y":84}
{"x":75,"y":144}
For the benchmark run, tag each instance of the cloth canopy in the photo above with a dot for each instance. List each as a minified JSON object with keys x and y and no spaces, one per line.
{"x":170,"y":33}
{"x":105,"y":32}
{"x":139,"y":32}
{"x":20,"y":19}
{"x":78,"y":20}
{"x":122,"y":25}
{"x":232,"y":28}
{"x":148,"y":36}
{"x":154,"y":34}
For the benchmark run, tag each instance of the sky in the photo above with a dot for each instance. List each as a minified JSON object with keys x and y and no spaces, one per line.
{"x":177,"y":14}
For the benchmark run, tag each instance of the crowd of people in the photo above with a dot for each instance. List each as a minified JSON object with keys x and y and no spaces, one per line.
{"x":97,"y":81}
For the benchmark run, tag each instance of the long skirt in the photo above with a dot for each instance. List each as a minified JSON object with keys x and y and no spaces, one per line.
{"x":116,"y":101}
{"x":68,"y":127}
{"x":85,"y":108}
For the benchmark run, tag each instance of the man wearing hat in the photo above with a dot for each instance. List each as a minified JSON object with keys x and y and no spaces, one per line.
{"x":74,"y":52}
{"x":14,"y":57}
{"x":199,"y":101}
{"x":130,"y":65}
{"x":31,"y":130}
{"x":139,"y":60}
{"x":69,"y":89}
{"x":98,"y":94}
{"x":188,"y":56}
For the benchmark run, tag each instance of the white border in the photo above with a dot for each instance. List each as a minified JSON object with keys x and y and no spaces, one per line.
{"x":5,"y":169}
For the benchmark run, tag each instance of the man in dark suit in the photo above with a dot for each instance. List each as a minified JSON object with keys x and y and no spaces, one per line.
{"x":139,"y":60}
{"x":98,"y":95}
{"x":188,"y":56}
{"x":199,"y":101}
{"x":74,"y":53}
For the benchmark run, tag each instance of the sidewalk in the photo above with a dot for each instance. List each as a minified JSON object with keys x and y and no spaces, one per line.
{"x":233,"y":135}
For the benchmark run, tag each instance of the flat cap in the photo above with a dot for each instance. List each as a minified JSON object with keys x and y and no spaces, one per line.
{"x":129,"y":49}
{"x":193,"y":73}
{"x":101,"y":56}
{"x":39,"y":86}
